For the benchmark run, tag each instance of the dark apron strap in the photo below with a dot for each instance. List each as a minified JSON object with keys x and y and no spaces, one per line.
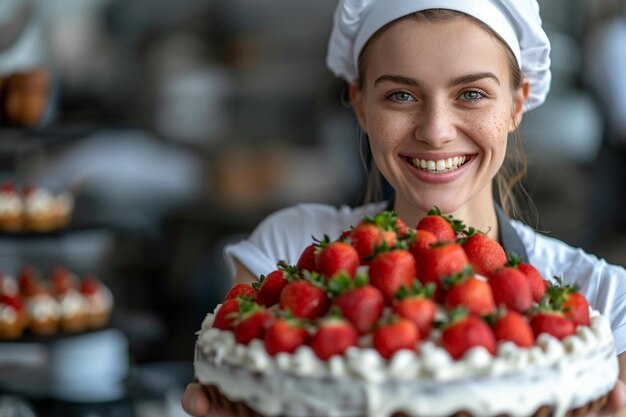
{"x":509,"y":238}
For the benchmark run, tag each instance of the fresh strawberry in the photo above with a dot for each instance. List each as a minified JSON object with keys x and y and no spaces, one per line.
{"x":333,"y":336}
{"x":484,"y":253}
{"x":269,"y":287}
{"x":537,"y":283}
{"x":227,"y":313}
{"x":89,"y":284}
{"x":306,"y":261}
{"x":360,"y":303}
{"x":304,"y":299}
{"x":252,"y":322}
{"x":552,"y":322}
{"x":420,"y":243}
{"x":465,"y":332}
{"x":28,"y":279}
{"x":336,"y":257}
{"x":444,"y":227}
{"x":240,"y":290}
{"x":285,"y":335}
{"x":576,"y":307}
{"x":512,"y":326}
{"x":416,"y":304}
{"x":442,"y":259}
{"x":62,"y":280}
{"x":401,"y":227}
{"x":467,"y":290}
{"x":397,"y":334}
{"x":373,"y":232}
{"x":510,"y":287}
{"x":14,"y":301}
{"x":570,"y":300}
{"x":391,"y":269}
{"x":8,"y":187}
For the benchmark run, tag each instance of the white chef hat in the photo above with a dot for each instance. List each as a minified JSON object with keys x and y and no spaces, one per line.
{"x":517,"y":22}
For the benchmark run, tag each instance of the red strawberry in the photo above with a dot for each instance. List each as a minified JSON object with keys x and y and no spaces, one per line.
{"x":306,"y":261}
{"x":360,"y":304}
{"x":416,"y":304}
{"x":465,"y":333}
{"x":537,"y":284}
{"x":226,"y":315}
{"x":554,"y":323}
{"x":285,"y":335}
{"x":442,"y":259}
{"x":373,"y":232}
{"x":28,"y":279}
{"x":467,"y":290}
{"x":395,"y":335}
{"x":269,"y":288}
{"x":576,"y":307}
{"x":401,"y":227}
{"x":89,"y":285}
{"x":420,"y":243}
{"x":514,"y":327}
{"x":333,"y":336}
{"x":391,"y":269}
{"x":484,"y":253}
{"x":240,"y":290}
{"x":336,"y":257}
{"x":14,"y":301}
{"x":62,"y":280}
{"x":510,"y":287}
{"x":445,"y":228}
{"x":569,"y":300}
{"x":304,"y":299}
{"x":252,"y":322}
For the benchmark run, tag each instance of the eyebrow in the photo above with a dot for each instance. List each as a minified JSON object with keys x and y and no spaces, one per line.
{"x":464,"y":79}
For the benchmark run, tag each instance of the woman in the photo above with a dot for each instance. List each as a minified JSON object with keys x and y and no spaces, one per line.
{"x":437,"y":92}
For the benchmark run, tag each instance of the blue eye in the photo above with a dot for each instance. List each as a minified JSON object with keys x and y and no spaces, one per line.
{"x":400,"y":97}
{"x":472,"y":95}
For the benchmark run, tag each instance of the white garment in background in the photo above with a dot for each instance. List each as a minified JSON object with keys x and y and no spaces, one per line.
{"x":284,"y":234}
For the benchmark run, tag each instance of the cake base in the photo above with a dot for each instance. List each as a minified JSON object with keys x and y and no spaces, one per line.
{"x":222,"y":404}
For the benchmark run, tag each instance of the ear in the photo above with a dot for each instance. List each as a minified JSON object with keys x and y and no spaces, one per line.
{"x":356,"y":101}
{"x":519,"y":99}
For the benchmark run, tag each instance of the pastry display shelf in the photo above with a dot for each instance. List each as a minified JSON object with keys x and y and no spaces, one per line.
{"x":90,"y":366}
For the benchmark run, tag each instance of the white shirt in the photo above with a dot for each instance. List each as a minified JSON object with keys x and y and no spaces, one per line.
{"x":284,"y":234}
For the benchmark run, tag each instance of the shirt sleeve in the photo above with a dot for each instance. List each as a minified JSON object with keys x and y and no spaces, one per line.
{"x":283,"y":235}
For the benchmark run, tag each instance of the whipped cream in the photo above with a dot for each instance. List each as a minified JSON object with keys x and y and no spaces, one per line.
{"x":515,"y":381}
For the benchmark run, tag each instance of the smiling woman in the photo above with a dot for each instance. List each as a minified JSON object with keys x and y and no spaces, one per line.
{"x":438,"y":87}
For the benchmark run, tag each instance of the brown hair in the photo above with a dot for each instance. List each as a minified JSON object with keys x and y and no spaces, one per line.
{"x":508,"y":180}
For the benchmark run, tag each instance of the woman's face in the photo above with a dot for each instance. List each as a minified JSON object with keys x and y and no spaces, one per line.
{"x":437,"y":104}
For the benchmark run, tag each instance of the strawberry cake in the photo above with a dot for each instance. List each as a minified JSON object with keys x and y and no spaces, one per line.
{"x":388,"y":320}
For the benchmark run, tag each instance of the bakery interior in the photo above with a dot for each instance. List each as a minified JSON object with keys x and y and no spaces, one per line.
{"x":176,"y":127}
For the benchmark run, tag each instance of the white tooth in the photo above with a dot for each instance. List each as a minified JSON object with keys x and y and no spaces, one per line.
{"x":455,"y":161}
{"x":430,"y":165}
{"x":462,"y":160}
{"x":415,"y":162}
{"x":449,"y":163}
{"x":441,"y":165}
{"x":423,"y":163}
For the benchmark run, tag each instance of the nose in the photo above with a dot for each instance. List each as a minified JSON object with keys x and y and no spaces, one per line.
{"x":436,"y":123}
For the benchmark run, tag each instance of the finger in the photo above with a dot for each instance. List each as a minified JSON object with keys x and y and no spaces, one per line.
{"x":194,"y":401}
{"x":616,"y":401}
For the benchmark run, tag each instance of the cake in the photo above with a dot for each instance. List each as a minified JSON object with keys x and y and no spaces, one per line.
{"x":11,"y":208}
{"x":331,"y":336}
{"x":46,"y":211}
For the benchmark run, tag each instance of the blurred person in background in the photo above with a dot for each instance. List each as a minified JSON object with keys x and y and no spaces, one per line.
{"x":603,"y":73}
{"x":456,"y":93}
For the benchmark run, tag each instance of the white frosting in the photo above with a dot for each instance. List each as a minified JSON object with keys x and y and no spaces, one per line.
{"x":39,"y":201}
{"x":10,"y":203}
{"x":8,"y":314}
{"x":43,"y":307}
{"x":101,"y":301}
{"x":516,"y":381}
{"x":72,"y":303}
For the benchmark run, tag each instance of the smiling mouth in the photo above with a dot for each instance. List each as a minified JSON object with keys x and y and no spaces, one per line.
{"x":439,"y":166}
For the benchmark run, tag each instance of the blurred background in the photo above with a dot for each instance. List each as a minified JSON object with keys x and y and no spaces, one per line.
{"x":179,"y":125}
